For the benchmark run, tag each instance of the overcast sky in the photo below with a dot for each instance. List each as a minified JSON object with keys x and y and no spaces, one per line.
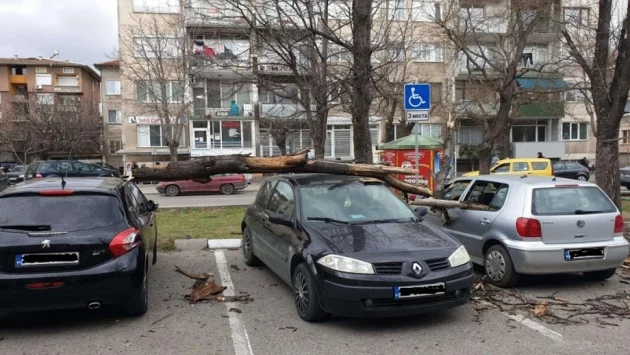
{"x":84,"y":31}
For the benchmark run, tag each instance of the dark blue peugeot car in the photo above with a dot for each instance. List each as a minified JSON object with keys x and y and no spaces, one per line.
{"x":349,"y":246}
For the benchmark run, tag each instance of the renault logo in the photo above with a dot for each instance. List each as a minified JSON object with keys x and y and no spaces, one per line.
{"x":46,"y":243}
{"x":417,"y":269}
{"x":580,"y":223}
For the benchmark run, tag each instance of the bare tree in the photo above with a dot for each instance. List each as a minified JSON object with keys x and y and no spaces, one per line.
{"x":607,"y":67}
{"x":156,"y":54}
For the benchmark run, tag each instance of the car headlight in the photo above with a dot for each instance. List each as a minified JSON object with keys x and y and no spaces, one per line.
{"x":345,"y":264}
{"x":459,"y":257}
{"x":22,"y":175}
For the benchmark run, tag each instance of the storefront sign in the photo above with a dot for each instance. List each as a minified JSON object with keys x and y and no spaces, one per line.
{"x":407,"y":159}
{"x":144,"y":120}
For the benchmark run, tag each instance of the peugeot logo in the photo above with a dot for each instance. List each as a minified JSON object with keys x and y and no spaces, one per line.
{"x":580,"y":223}
{"x":46,"y":243}
{"x":417,"y":269}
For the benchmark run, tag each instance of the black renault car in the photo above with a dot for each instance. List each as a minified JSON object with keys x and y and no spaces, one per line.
{"x":74,"y":243}
{"x":349,"y":246}
{"x":66,"y":168}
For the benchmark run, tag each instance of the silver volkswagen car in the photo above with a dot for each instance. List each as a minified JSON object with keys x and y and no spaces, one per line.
{"x":536,"y":225}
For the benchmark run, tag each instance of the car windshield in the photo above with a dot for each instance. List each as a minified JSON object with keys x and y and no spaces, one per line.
{"x":61,"y":213}
{"x":352,"y":202}
{"x":18,"y":168}
{"x":558,"y":201}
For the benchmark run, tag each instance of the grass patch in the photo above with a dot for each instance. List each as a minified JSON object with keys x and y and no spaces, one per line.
{"x":194,"y":223}
{"x":625,"y":208}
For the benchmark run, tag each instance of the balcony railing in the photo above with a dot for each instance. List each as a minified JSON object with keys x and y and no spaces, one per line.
{"x":220,"y":15}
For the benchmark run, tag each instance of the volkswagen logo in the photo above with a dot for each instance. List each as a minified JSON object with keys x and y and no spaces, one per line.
{"x":580,"y":223}
{"x":46,"y":243}
{"x":416,"y":268}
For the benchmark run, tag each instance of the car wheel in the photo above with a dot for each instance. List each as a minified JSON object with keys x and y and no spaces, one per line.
{"x":306,"y":299}
{"x":139,"y":303}
{"x":499,"y":267}
{"x":227,"y":189}
{"x":248,"y":249}
{"x":172,"y":190}
{"x":600,"y":275}
{"x":581,"y":177}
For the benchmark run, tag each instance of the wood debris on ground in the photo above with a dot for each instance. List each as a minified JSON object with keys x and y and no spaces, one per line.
{"x":205,"y":289}
{"x":541,"y":309}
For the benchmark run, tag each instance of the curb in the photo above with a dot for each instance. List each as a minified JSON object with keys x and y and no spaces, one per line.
{"x":191,"y":244}
{"x":224,"y":243}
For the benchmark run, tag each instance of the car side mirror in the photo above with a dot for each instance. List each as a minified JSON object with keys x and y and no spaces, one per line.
{"x":421,"y":211}
{"x":152,"y":206}
{"x":279,"y":219}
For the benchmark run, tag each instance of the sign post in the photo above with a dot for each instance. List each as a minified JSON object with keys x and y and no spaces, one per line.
{"x":417,"y":106}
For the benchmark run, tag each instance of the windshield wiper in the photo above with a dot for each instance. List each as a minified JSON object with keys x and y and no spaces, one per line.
{"x":327,"y":220}
{"x":389,"y":220}
{"x":586,"y":212}
{"x":27,"y":227}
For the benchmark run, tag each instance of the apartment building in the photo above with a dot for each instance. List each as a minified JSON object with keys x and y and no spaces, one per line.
{"x":27,"y":82}
{"x":111,"y":106}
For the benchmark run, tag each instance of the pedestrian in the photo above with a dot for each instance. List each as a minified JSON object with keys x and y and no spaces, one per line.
{"x":134,"y":165}
{"x":584,"y":162}
{"x":495,"y":159}
{"x":540,"y":155}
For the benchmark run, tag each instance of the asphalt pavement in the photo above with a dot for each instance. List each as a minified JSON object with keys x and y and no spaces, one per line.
{"x":270,"y":325}
{"x":239,"y":198}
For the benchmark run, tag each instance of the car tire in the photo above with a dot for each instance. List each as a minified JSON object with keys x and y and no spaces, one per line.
{"x":499,"y":267}
{"x":227,"y":189}
{"x":248,"y":249}
{"x":172,"y":190}
{"x":305,"y":295}
{"x":582,"y":178}
{"x":600,"y":275}
{"x":139,"y":304}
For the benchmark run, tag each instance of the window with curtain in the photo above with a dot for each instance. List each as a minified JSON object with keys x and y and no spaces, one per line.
{"x":426,"y":11}
{"x":68,"y":80}
{"x":148,"y":91}
{"x":574,"y":131}
{"x":397,"y":10}
{"x":114,"y":117}
{"x":113,"y":87}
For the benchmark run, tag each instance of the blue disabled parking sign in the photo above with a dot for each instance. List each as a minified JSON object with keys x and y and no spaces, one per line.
{"x":417,"y":97}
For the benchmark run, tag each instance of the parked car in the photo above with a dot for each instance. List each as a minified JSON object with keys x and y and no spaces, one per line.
{"x":66,"y":168}
{"x":16,"y":174}
{"x":6,"y":166}
{"x":571,"y":170}
{"x":520,"y":166}
{"x":105,"y":166}
{"x":224,"y":183}
{"x":536,"y":225}
{"x":349,"y":246}
{"x":625,"y":177}
{"x":4,"y":181}
{"x":81,"y":246}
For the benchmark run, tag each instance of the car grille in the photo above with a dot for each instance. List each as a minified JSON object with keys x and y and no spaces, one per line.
{"x":390,"y":303}
{"x":388,"y":268}
{"x":438,"y":264}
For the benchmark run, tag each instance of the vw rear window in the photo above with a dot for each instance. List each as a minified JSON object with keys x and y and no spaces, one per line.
{"x":539,"y":165}
{"x":62,"y":213}
{"x":557,"y":201}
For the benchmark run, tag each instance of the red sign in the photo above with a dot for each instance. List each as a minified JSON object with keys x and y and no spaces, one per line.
{"x":407,"y":159}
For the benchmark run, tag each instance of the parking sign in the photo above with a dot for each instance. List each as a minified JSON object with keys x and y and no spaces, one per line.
{"x":417,"y":97}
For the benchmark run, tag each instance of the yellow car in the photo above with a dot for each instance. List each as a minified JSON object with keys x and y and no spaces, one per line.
{"x":520,"y":166}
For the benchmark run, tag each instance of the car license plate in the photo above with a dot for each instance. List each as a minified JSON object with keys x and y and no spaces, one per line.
{"x":46,"y":259}
{"x":583,"y":254}
{"x":436,"y":289}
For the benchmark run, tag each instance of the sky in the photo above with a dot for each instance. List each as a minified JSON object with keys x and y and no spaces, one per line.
{"x":84,"y":31}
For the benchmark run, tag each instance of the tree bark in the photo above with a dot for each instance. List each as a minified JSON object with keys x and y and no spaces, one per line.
{"x":361,"y":79}
{"x":607,"y":154}
{"x":173,"y":152}
{"x":485,"y":155}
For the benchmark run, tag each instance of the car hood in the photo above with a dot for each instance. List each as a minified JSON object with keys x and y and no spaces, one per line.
{"x":472,"y":173}
{"x":14,"y":173}
{"x":384,"y":238}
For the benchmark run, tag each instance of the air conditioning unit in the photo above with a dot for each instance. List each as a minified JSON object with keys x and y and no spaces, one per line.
{"x":39,"y":87}
{"x":263,"y":67}
{"x":275,"y":68}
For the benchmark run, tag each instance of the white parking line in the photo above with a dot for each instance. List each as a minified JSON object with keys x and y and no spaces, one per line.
{"x":535,"y":326}
{"x":240,"y":339}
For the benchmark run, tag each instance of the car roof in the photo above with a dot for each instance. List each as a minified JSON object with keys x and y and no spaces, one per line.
{"x":526,"y":179}
{"x":84,"y":184}
{"x":524,"y":159}
{"x":309,"y":178}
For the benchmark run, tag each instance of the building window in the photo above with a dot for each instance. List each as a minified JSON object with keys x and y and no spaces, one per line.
{"x":151,"y":136}
{"x":433,"y":130}
{"x":534,"y":55}
{"x":114,"y":117}
{"x":427,"y":52}
{"x":529,"y":131}
{"x":338,"y":141}
{"x":574,"y":131}
{"x":221,"y":94}
{"x":156,"y":47}
{"x":576,"y":16}
{"x":574,"y":95}
{"x":151,"y":92}
{"x":45,"y":99}
{"x":68,"y":80}
{"x":156,"y":6}
{"x":113,"y":87}
{"x":43,"y":79}
{"x":222,"y":134}
{"x":470,"y":17}
{"x":397,"y":10}
{"x":114,"y":146}
{"x":68,"y":100}
{"x":426,"y":11}
{"x":41,"y":70}
{"x":295,"y":140}
{"x":397,"y":53}
{"x":68,"y":70}
{"x":625,"y":137}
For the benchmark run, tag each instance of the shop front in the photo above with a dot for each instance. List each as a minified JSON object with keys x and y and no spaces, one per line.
{"x":222,"y":136}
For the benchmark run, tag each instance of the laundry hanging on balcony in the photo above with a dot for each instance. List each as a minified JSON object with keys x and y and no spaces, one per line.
{"x":200,"y":48}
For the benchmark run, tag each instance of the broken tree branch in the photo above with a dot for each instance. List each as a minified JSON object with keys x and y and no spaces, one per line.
{"x":430,"y":202}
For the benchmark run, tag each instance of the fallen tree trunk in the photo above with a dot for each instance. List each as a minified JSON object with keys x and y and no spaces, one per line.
{"x":203,"y":168}
{"x":430,"y":202}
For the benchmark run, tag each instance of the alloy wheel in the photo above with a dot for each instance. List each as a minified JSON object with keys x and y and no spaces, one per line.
{"x":582,"y":178}
{"x":301,"y":292}
{"x":495,"y":265}
{"x":247,"y":245}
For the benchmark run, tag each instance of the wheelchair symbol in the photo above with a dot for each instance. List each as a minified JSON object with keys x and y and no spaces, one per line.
{"x":415,"y":100}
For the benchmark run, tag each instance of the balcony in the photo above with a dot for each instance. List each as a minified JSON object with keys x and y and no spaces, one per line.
{"x":221,"y":16}
{"x":67,"y":89}
{"x":530,"y":149}
{"x":17,"y":79}
{"x":542,"y":109}
{"x":287,"y":110}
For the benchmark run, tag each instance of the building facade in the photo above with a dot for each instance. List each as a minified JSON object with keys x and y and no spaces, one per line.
{"x":111,"y":107}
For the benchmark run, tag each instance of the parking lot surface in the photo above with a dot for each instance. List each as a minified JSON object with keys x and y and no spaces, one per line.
{"x":270,"y":325}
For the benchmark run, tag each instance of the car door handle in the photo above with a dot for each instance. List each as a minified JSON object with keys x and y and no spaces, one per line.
{"x":484,"y":221}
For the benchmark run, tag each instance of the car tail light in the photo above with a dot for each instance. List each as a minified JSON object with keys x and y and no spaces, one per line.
{"x":241,"y":177}
{"x":619,"y":225}
{"x":38,"y":176}
{"x":528,"y":228}
{"x":40,"y":285}
{"x":56,"y":192}
{"x":588,"y":170}
{"x":125,"y":241}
